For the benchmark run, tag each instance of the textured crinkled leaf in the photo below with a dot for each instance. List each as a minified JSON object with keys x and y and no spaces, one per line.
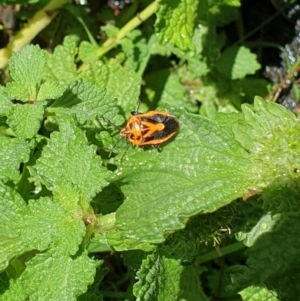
{"x":272,"y":261}
{"x":53,"y":276}
{"x":190,"y":285}
{"x":22,"y":92}
{"x":206,"y":166}
{"x":35,"y":226}
{"x":206,"y":51}
{"x":136,"y":50}
{"x":13,"y":152}
{"x":5,"y":101}
{"x":50,"y":90}
{"x":60,"y":65}
{"x":87,"y":102}
{"x":26,"y":70}
{"x":271,"y":135}
{"x":237,"y":62}
{"x":25,"y":120}
{"x":201,"y":170}
{"x":120,"y":83}
{"x":67,"y":197}
{"x":15,"y":293}
{"x":255,"y":293}
{"x":11,"y":204}
{"x":93,"y":293}
{"x":26,"y":85}
{"x":159,"y":279}
{"x":88,"y":52}
{"x":68,"y":160}
{"x":175,"y":22}
{"x":26,"y":66}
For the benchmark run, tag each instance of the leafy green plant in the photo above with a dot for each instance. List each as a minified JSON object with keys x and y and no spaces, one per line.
{"x":72,"y":192}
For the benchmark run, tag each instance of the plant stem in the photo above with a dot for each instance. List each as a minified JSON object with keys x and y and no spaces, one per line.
{"x":132,"y":24}
{"x":226,"y":250}
{"x":39,"y":21}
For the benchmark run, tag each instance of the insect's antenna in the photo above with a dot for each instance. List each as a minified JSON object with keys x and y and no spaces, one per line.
{"x":138,"y":107}
{"x":111,"y":151}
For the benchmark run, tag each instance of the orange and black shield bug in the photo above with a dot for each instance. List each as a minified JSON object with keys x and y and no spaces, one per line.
{"x":151,"y":128}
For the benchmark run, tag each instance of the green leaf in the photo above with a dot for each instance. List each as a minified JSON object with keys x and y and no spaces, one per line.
{"x":60,"y":65}
{"x":13,"y":152}
{"x":53,"y":276}
{"x":237,"y":62}
{"x":163,"y":278}
{"x":261,"y":133}
{"x":235,"y":3}
{"x":254,"y":293}
{"x":26,"y":66}
{"x":26,"y":70}
{"x":88,"y":52}
{"x":203,"y":169}
{"x":93,"y":293}
{"x":50,"y":90}
{"x":87,"y":102}
{"x":120,"y":83}
{"x":17,"y":90}
{"x":69,"y":163}
{"x":5,"y":102}
{"x":35,"y":226}
{"x":15,"y":294}
{"x":178,"y":182}
{"x":209,"y":101}
{"x":110,"y":30}
{"x":134,"y":49}
{"x":159,"y":279}
{"x":175,"y":22}
{"x":25,"y":120}
{"x":190,"y":286}
{"x":264,"y":225}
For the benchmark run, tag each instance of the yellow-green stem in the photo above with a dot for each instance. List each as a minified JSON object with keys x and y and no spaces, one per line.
{"x":132,"y":24}
{"x":37,"y":23}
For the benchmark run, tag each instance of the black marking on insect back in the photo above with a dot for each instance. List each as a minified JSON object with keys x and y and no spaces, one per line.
{"x":171,"y":124}
{"x":171,"y":127}
{"x":157,"y":118}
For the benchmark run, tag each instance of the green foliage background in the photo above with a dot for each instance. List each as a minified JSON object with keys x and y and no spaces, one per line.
{"x":227,"y":182}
